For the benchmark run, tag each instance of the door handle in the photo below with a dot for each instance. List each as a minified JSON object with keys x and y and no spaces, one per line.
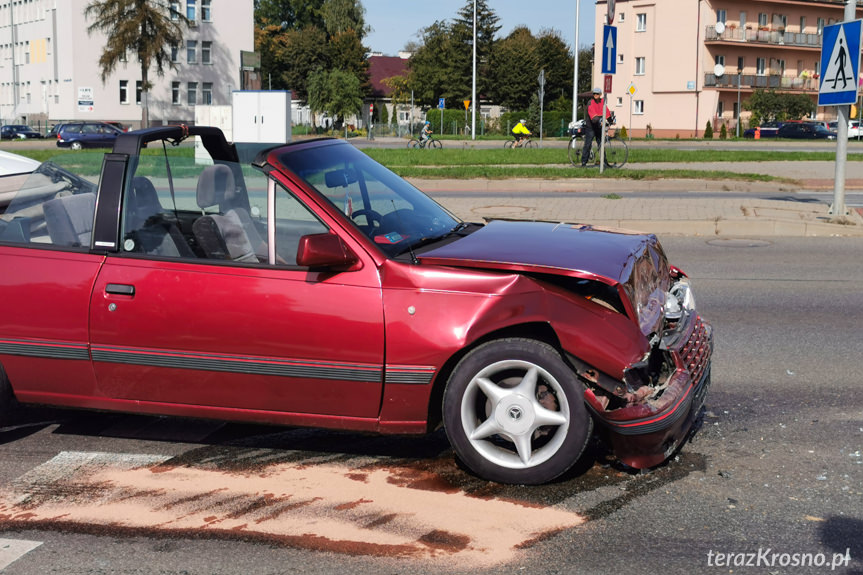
{"x":120,"y":289}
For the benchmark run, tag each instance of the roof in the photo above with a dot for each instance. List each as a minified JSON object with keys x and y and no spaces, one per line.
{"x":381,"y":67}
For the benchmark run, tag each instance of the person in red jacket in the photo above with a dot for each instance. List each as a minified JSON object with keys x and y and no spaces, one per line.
{"x":593,"y":125}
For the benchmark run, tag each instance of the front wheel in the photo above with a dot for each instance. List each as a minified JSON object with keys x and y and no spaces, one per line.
{"x":616,"y":152}
{"x":514,"y":412}
{"x":574,"y":151}
{"x":414,"y":143}
{"x":76,"y":145}
{"x":529,"y":144}
{"x":436,"y":144}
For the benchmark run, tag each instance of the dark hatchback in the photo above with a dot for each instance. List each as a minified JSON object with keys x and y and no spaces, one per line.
{"x":19,"y":132}
{"x":78,"y":135}
{"x":805,"y":131}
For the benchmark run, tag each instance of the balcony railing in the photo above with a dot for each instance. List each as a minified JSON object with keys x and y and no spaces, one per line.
{"x":754,"y":82}
{"x":773,"y":37}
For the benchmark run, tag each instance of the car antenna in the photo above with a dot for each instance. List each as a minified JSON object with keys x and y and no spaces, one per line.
{"x":414,"y":259}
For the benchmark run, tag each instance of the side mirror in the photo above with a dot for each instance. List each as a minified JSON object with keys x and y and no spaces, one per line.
{"x":325,"y":251}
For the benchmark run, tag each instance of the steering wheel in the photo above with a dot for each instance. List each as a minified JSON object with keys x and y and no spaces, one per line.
{"x":374,"y":220}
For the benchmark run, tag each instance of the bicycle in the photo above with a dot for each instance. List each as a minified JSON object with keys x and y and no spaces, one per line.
{"x":525,"y":143}
{"x":431,"y":143}
{"x":616,"y":150}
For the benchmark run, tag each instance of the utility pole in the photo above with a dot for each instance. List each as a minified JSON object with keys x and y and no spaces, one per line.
{"x":838,"y":208}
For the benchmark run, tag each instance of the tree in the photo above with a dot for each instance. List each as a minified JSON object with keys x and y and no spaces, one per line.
{"x":432,"y":72}
{"x":146,"y":28}
{"x":767,"y":105}
{"x":487,"y":27}
{"x":342,"y":15}
{"x":514,"y":69}
{"x":554,"y":57}
{"x":335,"y":92}
{"x":295,"y":14}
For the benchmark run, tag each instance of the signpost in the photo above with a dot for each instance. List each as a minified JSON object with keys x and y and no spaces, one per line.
{"x":609,"y":67}
{"x":541,"y":80}
{"x":840,"y":66}
{"x":631,"y":90}
{"x":441,"y":104}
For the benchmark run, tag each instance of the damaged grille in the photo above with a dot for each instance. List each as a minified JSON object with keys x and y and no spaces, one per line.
{"x":695,"y":353}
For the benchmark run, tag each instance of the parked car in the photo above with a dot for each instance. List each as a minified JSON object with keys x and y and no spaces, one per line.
{"x":805,"y":130}
{"x":853,"y":128}
{"x":314,"y":287}
{"x":767,"y":130}
{"x":19,"y":132}
{"x":78,"y":135}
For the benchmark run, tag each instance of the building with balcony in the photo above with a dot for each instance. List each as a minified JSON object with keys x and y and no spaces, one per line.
{"x":682,"y":63}
{"x":49,"y":64}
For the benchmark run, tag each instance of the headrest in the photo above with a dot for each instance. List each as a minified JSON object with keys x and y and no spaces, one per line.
{"x":214,"y":183}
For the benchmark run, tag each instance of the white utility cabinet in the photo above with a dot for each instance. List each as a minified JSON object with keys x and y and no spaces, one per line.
{"x":261,"y":116}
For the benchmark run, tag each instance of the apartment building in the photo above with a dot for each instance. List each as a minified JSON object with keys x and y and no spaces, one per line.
{"x":49,"y":64}
{"x":682,"y":63}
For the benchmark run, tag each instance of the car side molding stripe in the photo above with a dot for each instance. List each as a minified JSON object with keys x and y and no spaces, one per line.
{"x":50,"y":350}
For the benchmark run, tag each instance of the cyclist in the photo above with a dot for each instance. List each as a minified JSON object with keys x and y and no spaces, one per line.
{"x":520,"y":132}
{"x":426,"y":133}
{"x":593,"y":125}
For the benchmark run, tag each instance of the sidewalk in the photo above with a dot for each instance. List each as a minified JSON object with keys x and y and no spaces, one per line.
{"x":564,"y":200}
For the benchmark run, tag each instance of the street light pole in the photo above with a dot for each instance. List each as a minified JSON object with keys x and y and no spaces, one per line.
{"x":473,"y":89}
{"x":738,"y":101}
{"x":575,"y":74}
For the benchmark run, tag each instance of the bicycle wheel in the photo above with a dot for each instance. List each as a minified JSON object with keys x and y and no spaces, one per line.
{"x":508,"y":144}
{"x":436,"y":144}
{"x":616,"y":152}
{"x":529,"y":144}
{"x":414,"y":143}
{"x":574,"y":150}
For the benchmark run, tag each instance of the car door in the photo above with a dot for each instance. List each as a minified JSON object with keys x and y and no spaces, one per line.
{"x":196,"y":336}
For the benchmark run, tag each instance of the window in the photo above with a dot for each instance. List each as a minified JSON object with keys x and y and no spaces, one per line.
{"x":175,"y":54}
{"x":175,"y":93}
{"x":206,"y":49}
{"x":639,"y":66}
{"x":736,"y":111}
{"x":175,"y":10}
{"x":620,"y":17}
{"x":206,"y":14}
{"x":740,"y":61}
{"x":742,"y":20}
{"x":762,"y":20}
{"x":720,"y":108}
{"x":192,"y":51}
{"x":640,"y":22}
{"x":619,"y":101}
{"x":138,"y":91}
{"x":721,"y":16}
{"x":760,"y":65}
{"x":192,"y":93}
{"x":802,"y":24}
{"x":124,"y":91}
{"x":820,"y":26}
{"x":620,"y":58}
{"x":191,"y":9}
{"x":719,"y":60}
{"x":207,"y":93}
{"x":638,"y":106}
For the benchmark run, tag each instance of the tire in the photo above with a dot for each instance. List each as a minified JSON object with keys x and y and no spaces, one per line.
{"x":414,"y":143}
{"x":496,"y":422}
{"x":436,"y":144}
{"x":5,"y":397}
{"x":76,"y":146}
{"x":574,"y":151}
{"x":508,"y":144}
{"x":530,"y":144}
{"x":616,"y":152}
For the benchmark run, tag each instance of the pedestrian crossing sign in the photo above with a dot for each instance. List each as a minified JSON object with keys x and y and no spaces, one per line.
{"x":840,"y":63}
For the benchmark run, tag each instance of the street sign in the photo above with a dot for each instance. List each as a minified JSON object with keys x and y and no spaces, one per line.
{"x":607,"y":87}
{"x":609,"y":50}
{"x":467,"y":104}
{"x":609,"y":16}
{"x":840,"y":63}
{"x":440,"y":103}
{"x":631,"y":89}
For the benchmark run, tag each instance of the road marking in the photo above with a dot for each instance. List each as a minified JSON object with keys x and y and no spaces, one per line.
{"x":13,"y":549}
{"x":363,"y":508}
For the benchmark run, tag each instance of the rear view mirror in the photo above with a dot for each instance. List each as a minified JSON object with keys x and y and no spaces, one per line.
{"x":325,"y":251}
{"x":341,"y":178}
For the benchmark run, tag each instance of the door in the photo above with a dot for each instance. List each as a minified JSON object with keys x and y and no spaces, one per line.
{"x":186,"y":335}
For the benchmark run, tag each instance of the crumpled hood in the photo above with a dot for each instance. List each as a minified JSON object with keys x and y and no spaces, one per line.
{"x":633,"y":262}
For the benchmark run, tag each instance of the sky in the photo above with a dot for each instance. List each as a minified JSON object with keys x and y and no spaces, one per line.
{"x":396,"y":22}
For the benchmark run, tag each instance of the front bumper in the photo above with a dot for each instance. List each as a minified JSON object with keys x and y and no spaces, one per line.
{"x":645,"y":434}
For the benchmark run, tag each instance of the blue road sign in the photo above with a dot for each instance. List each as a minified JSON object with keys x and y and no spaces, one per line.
{"x":440,"y":103}
{"x":840,"y":63}
{"x":609,"y":50}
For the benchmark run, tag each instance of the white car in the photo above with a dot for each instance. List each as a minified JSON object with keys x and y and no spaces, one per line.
{"x":853,"y":128}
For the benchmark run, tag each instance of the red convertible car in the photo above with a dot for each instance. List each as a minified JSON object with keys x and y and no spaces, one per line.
{"x":314,"y":287}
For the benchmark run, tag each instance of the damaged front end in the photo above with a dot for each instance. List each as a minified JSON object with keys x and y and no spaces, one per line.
{"x":647,"y":414}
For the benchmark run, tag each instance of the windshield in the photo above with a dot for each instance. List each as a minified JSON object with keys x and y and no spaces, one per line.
{"x":396,"y":215}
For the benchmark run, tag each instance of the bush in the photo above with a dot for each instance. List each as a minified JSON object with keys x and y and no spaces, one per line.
{"x":723,"y":133}
{"x":623,"y":133}
{"x":708,"y":131}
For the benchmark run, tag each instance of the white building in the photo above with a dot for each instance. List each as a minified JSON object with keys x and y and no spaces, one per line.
{"x":49,"y":64}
